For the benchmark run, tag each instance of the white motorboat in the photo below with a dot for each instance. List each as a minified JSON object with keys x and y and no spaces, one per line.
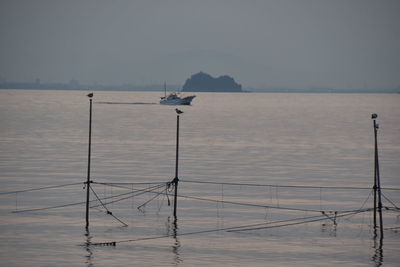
{"x":175,"y":99}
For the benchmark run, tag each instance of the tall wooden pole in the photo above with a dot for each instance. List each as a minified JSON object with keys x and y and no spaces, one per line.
{"x":377,"y":183}
{"x":88,"y":167}
{"x":375,"y":168}
{"x":176,"y":179}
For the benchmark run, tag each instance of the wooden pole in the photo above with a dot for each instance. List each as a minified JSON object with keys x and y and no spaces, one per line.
{"x":377,"y":183}
{"x":378,"y":180}
{"x":176,"y":179}
{"x":88,"y":168}
{"x":375,"y":168}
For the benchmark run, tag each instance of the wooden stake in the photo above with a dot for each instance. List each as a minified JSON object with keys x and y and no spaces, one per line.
{"x":176,"y":179}
{"x":377,"y":182}
{"x":88,"y":168}
{"x":375,"y":176}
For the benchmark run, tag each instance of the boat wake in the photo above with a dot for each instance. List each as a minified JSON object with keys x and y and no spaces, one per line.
{"x":126,"y":103}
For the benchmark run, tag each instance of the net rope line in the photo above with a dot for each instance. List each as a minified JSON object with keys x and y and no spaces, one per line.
{"x":237,"y":203}
{"x":130,"y":195}
{"x":158,"y":186}
{"x":154,"y":188}
{"x":120,"y":185}
{"x":392,"y":209}
{"x":302,"y":220}
{"x":107,"y":210}
{"x":142,"y":191}
{"x":82,"y":202}
{"x":392,"y":228}
{"x":151,"y":199}
{"x":394,"y":205}
{"x":305,"y":220}
{"x":288,"y":222}
{"x":70,"y":184}
{"x":224,"y":202}
{"x":52,"y":207}
{"x":198,"y":182}
{"x":256,"y":205}
{"x":39,"y":188}
{"x":288,"y":186}
{"x":127,"y":183}
{"x":365,"y":202}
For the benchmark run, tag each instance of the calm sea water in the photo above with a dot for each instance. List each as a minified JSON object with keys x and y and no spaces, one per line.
{"x":320,"y":140}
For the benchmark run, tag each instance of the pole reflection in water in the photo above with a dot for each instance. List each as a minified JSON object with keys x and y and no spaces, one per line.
{"x":89,"y":255}
{"x":330,"y":229}
{"x":173,"y":231}
{"x":377,"y":258}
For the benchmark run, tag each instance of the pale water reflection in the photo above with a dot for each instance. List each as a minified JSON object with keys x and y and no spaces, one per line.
{"x":233,"y":140}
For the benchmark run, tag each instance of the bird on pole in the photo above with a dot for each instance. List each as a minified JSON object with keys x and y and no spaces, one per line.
{"x":90,"y":95}
{"x":178,"y":111}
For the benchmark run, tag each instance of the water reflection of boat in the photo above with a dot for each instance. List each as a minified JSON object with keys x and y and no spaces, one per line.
{"x":175,"y":98}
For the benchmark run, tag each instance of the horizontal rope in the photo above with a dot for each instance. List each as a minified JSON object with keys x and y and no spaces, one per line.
{"x":200,"y":182}
{"x":39,"y":188}
{"x":52,"y":207}
{"x":392,"y":209}
{"x":127,"y":183}
{"x":392,"y":228}
{"x":289,"y":186}
{"x":121,"y":185}
{"x":247,"y":204}
{"x":82,"y":183}
{"x":258,"y":205}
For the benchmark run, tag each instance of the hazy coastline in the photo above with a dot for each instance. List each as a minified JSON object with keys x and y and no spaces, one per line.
{"x":177,"y":88}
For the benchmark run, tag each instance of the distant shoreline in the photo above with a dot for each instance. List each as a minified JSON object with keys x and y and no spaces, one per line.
{"x":283,"y":91}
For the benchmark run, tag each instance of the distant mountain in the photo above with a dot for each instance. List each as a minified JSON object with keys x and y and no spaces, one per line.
{"x":203,"y":82}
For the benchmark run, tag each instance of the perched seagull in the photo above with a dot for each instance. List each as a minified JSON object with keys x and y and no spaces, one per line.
{"x":90,"y":95}
{"x":178,"y":111}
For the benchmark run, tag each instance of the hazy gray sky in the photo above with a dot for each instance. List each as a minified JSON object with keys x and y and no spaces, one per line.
{"x":261,"y":43}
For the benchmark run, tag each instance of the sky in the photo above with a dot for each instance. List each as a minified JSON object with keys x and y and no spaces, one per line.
{"x":343,"y":44}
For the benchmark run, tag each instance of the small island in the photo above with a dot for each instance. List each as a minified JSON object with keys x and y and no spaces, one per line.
{"x":203,"y":82}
